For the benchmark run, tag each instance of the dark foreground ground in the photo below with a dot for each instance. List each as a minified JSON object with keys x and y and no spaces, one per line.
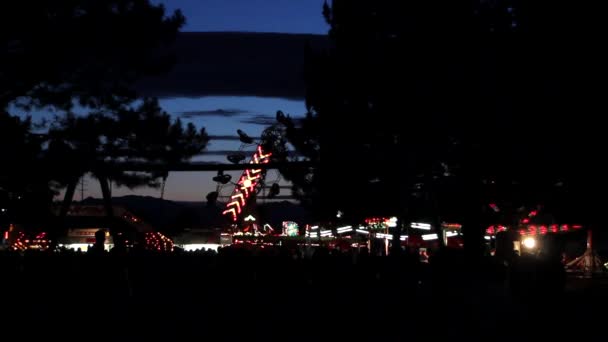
{"x":263,"y":298}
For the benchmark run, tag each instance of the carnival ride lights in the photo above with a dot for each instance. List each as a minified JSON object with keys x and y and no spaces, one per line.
{"x":158,"y":242}
{"x":378,"y":223}
{"x":325,"y":233}
{"x":451,"y":234}
{"x":390,"y":237}
{"x":428,"y":237}
{"x":200,"y":247}
{"x":534,"y":230}
{"x":247,"y":185}
{"x":39,"y":242}
{"x":291,"y":228}
{"x":345,"y":229}
{"x":268,"y":228}
{"x":419,"y":225}
{"x":590,"y":261}
{"x":451,"y":226}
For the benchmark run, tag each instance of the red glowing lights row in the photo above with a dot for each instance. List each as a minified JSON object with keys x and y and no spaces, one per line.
{"x":246,"y":185}
{"x":21,"y":242}
{"x":158,"y":242}
{"x":536,"y":230}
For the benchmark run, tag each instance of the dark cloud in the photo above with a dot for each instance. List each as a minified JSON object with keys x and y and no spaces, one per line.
{"x":236,"y":64}
{"x":262,"y":120}
{"x":226,"y":152}
{"x":216,"y":112}
{"x":265,"y":120}
{"x":247,"y":153}
{"x":228,"y":137}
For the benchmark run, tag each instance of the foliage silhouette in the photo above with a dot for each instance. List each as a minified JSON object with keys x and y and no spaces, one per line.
{"x":90,"y":54}
{"x":437,"y":109}
{"x":91,"y":144}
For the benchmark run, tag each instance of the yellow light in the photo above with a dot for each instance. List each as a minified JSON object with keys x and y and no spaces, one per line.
{"x":247,"y":183}
{"x":529,"y":242}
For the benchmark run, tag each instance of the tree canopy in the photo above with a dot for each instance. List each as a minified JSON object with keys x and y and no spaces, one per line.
{"x":441,"y":108}
{"x":89,"y":54}
{"x":89,"y":51}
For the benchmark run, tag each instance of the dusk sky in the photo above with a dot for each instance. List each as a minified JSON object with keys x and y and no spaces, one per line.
{"x":283,"y":16}
{"x":277,"y":16}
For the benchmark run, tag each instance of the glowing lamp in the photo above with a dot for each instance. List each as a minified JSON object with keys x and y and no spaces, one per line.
{"x":529,"y":242}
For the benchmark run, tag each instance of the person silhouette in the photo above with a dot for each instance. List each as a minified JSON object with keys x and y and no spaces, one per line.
{"x":100,"y":240}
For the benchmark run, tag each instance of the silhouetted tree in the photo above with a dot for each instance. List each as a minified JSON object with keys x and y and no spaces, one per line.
{"x":89,"y":51}
{"x":25,"y":194}
{"x":91,"y":144}
{"x":373,"y":125}
{"x":444,"y":105}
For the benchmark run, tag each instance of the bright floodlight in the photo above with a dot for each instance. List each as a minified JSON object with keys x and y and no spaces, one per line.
{"x":529,"y":242}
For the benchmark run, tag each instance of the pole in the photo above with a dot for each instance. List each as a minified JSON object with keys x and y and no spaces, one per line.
{"x":82,"y":189}
{"x":589,"y":255}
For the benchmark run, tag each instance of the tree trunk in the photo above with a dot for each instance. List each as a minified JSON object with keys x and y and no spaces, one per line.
{"x":473,"y":232}
{"x":396,"y":247}
{"x":107,"y":195}
{"x":440,"y":233}
{"x":63,"y":212}
{"x":67,"y":200}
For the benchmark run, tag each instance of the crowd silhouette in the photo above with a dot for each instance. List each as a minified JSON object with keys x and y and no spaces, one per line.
{"x":286,"y":292}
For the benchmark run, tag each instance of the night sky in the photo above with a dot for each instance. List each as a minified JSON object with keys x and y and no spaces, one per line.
{"x":277,"y":16}
{"x":284,"y":16}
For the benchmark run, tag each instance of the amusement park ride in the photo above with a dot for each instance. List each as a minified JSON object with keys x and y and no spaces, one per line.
{"x":249,"y":184}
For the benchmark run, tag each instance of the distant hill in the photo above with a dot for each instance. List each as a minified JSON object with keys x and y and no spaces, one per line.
{"x":174,"y":216}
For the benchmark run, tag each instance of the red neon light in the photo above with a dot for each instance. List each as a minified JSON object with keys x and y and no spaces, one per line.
{"x":553,"y":228}
{"x":526,"y":220}
{"x":235,"y":204}
{"x":231,"y":211}
{"x":543,"y":230}
{"x":262,"y":155}
{"x":502,"y":228}
{"x":522,"y":232}
{"x":241,"y":197}
{"x":247,"y":183}
{"x":490,"y":230}
{"x":6,"y":235}
{"x":577,"y":226}
{"x":533,"y":213}
{"x":564,"y":228}
{"x":532,"y":230}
